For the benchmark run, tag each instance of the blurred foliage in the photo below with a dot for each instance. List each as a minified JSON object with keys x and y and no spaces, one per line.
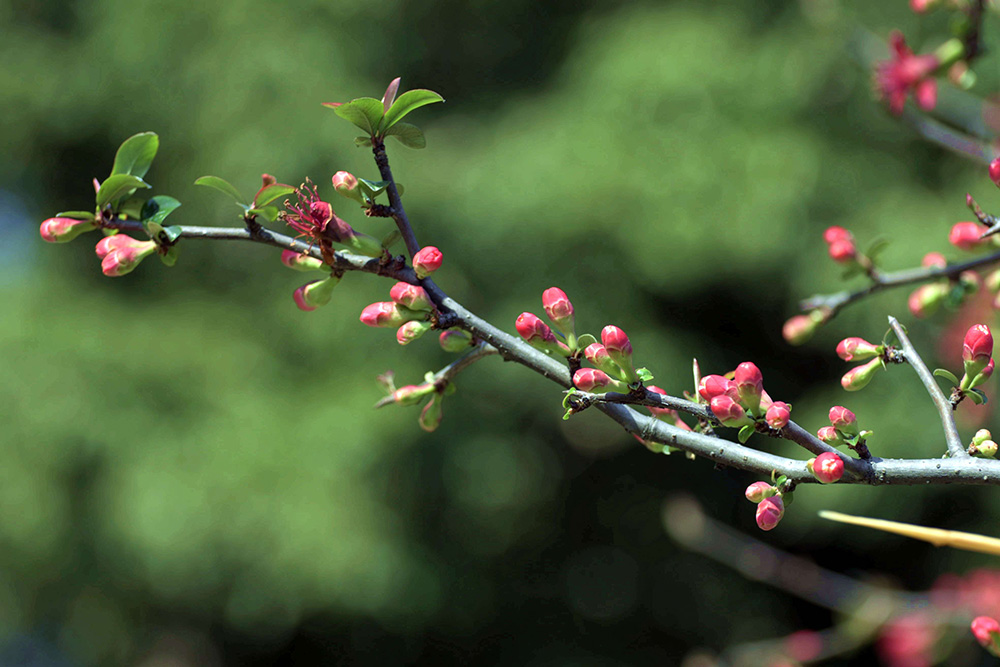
{"x":192,"y":469}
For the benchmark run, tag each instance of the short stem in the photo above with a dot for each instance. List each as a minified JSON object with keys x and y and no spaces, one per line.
{"x":395,"y":204}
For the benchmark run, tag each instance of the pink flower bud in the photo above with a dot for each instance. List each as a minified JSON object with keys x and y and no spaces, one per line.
{"x":427,"y":261}
{"x":411,"y":296}
{"x":300,"y":262}
{"x":314,"y":294}
{"x":619,"y":349}
{"x":934,"y":259}
{"x":411,"y":331}
{"x":346,"y":185}
{"x":994,"y":170}
{"x":717,"y":385}
{"x":925,"y":299}
{"x":858,"y":377}
{"x":769,"y":512}
{"x":749,"y":383}
{"x":827,"y":468}
{"x":388,"y":314}
{"x":454,"y":340}
{"x":843,"y":251}
{"x":800,"y":328}
{"x":986,"y":630}
{"x":778,"y":414}
{"x":597,"y":354}
{"x":757,"y":491}
{"x":857,"y":349}
{"x":659,"y":412}
{"x":729,"y":412}
{"x":844,"y":420}
{"x":411,"y":394}
{"x":965,"y":235}
{"x":64,"y":230}
{"x":978,"y":344}
{"x":430,"y":416}
{"x":829,"y":435}
{"x":120,"y":254}
{"x":834,"y":234}
{"x":559,"y":309}
{"x":533,"y":330}
{"x":589,"y":379}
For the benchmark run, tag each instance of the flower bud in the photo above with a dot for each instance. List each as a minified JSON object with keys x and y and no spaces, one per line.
{"x":757,"y":491}
{"x":827,"y":467}
{"x":858,"y":377}
{"x":454,"y":340}
{"x":346,"y":185}
{"x":717,"y":385}
{"x":120,"y":254}
{"x":430,"y":416}
{"x":986,"y":630}
{"x":64,"y":230}
{"x":559,"y":309}
{"x":778,"y":414}
{"x":412,"y":330}
{"x":660,"y":412}
{"x":834,"y":234}
{"x":843,"y":251}
{"x":769,"y":512}
{"x":619,"y":348}
{"x":427,"y":261}
{"x":857,"y":349}
{"x":935,"y":260}
{"x":411,"y":394}
{"x":749,"y":383}
{"x":533,"y":330}
{"x":300,"y":262}
{"x":844,"y":420}
{"x":994,"y":171}
{"x":589,"y":379}
{"x":966,"y":235}
{"x":729,"y":412}
{"x":926,"y":299}
{"x":317,"y":293}
{"x":987,"y":449}
{"x":597,"y":354}
{"x":829,"y":435}
{"x":411,"y":296}
{"x":981,"y":436}
{"x":977,"y":347}
{"x":388,"y":314}
{"x":800,"y":328}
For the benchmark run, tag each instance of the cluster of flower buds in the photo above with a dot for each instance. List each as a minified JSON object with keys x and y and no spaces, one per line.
{"x":800,"y":328}
{"x":983,"y":445}
{"x":120,"y":253}
{"x":843,"y":429}
{"x":977,"y":356}
{"x":986,"y":630}
{"x":559,"y":310}
{"x":410,"y":310}
{"x":858,"y":349}
{"x":770,"y":505}
{"x":840,"y":245}
{"x":612,"y":358}
{"x":738,"y":399}
{"x":827,"y":467}
{"x":64,"y":230}
{"x":413,"y":394}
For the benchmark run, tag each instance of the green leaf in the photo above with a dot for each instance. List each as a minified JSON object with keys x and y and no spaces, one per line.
{"x":745,"y":433}
{"x":407,"y":102}
{"x":270,"y":193}
{"x":364,"y":112}
{"x":221,"y":185}
{"x":585,"y":341}
{"x":876,"y":248}
{"x":118,"y":186}
{"x":409,"y":135}
{"x":76,"y":215}
{"x":156,"y":209}
{"x":787,"y":498}
{"x":363,"y":142}
{"x":136,"y":154}
{"x":172,"y":233}
{"x":976,"y":396}
{"x":644,"y":374}
{"x":946,"y":374}
{"x":269,"y":213}
{"x":170,"y":257}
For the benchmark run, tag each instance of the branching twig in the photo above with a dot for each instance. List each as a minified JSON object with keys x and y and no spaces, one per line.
{"x":941,"y":402}
{"x":396,"y":205}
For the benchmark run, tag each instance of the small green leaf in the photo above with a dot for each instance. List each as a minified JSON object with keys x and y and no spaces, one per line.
{"x":947,"y":375}
{"x":373,"y":188}
{"x":170,"y":257}
{"x":136,"y":154}
{"x":390,"y":94}
{"x":409,"y":135}
{"x":269,"y":213}
{"x":270,"y":193}
{"x":876,"y":248}
{"x":131,"y":208}
{"x":156,"y":209}
{"x":585,"y":341}
{"x":364,"y":112}
{"x":745,"y":433}
{"x":118,"y":186}
{"x":975,"y":396}
{"x":407,"y":102}
{"x":389,"y":239}
{"x":787,"y":498}
{"x":76,"y":215}
{"x":363,"y":142}
{"x":221,"y":185}
{"x":172,"y":233}
{"x":644,"y":374}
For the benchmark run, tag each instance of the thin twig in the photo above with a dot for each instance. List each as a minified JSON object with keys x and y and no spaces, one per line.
{"x":941,"y":402}
{"x":397,"y":210}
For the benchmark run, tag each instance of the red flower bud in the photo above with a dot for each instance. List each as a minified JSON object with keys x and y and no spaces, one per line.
{"x":588,"y":379}
{"x":729,"y":412}
{"x":857,"y":349}
{"x":925,"y":299}
{"x":533,"y":330}
{"x":63,"y":230}
{"x":597,"y":354}
{"x":559,"y":309}
{"x":346,"y":185}
{"x":829,"y":435}
{"x":454,"y":340}
{"x":427,"y":261}
{"x":778,"y":414}
{"x":120,"y":254}
{"x":858,"y":377}
{"x":965,"y":235}
{"x":834,"y":234}
{"x":769,"y":512}
{"x":800,"y":328}
{"x":411,"y":394}
{"x":749,"y":383}
{"x":411,"y":296}
{"x":843,"y":251}
{"x":986,"y":630}
{"x":410,"y":331}
{"x":388,"y":314}
{"x":934,"y":259}
{"x":995,"y":171}
{"x":757,"y":491}
{"x":844,"y":420}
{"x":717,"y":385}
{"x":619,"y":349}
{"x":978,"y":344}
{"x":827,"y":468}
{"x":300,"y":262}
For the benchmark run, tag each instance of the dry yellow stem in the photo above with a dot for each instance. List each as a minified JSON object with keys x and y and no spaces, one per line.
{"x":936,"y":536}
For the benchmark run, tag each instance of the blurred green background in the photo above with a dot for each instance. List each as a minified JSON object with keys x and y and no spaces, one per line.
{"x":192,"y":473}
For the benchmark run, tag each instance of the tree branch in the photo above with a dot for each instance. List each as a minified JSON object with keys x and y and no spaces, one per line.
{"x":396,"y":205}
